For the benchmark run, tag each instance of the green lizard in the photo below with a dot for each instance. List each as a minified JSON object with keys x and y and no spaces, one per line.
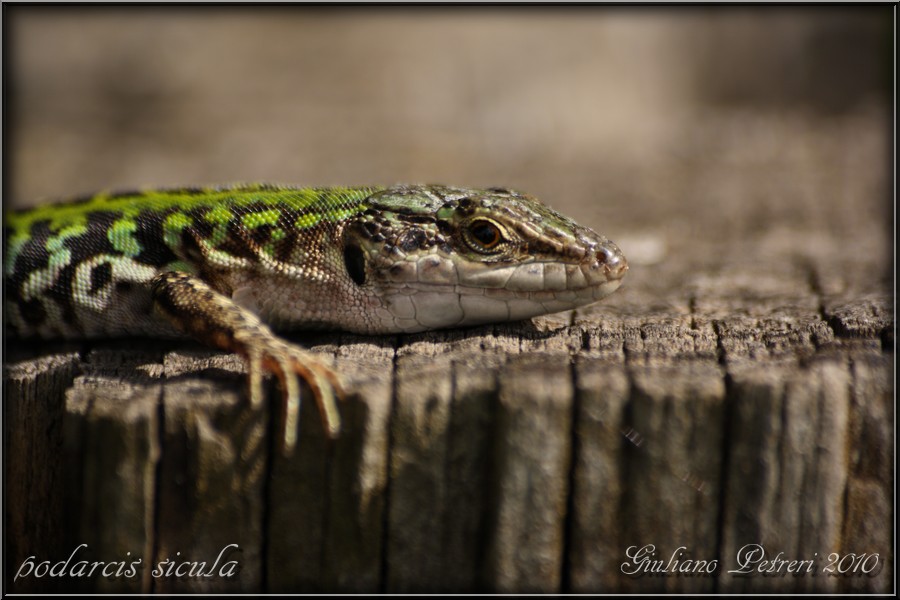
{"x":227,"y":265}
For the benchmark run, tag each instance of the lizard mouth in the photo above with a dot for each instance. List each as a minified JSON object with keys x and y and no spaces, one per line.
{"x":417,"y":307}
{"x":501,"y":294}
{"x":590,"y":273}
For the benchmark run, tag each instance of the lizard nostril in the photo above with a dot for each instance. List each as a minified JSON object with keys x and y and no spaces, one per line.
{"x":611,"y":259}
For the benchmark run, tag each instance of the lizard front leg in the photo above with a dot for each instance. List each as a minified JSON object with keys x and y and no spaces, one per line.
{"x":213,"y":318}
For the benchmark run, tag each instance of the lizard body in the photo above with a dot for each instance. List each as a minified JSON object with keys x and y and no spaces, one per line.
{"x":229,"y":265}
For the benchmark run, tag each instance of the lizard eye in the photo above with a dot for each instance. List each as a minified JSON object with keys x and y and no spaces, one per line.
{"x":483,"y":235}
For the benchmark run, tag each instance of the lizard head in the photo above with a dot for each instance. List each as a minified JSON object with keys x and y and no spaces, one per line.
{"x":439,"y":256}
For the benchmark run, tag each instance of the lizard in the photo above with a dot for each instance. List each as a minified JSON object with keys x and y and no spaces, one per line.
{"x":230,"y":265}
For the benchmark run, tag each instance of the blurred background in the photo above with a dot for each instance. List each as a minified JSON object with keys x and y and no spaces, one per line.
{"x":662,"y":128}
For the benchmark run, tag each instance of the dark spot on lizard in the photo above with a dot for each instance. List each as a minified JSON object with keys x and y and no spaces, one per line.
{"x":370,"y":228}
{"x":537,"y":247}
{"x":411,"y":240}
{"x":32,"y":311}
{"x":444,"y":227}
{"x":62,"y":293}
{"x":413,"y":218}
{"x":33,"y":255}
{"x":150,"y":235}
{"x":262,"y":234}
{"x":126,"y":193}
{"x":355,"y":263}
{"x":284,"y":248}
{"x":191,"y":246}
{"x":101,"y":275}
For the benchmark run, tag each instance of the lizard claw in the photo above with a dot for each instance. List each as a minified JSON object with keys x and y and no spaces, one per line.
{"x":291,"y":364}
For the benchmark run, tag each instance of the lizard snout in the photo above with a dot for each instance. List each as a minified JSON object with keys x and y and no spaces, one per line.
{"x":610,"y":258}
